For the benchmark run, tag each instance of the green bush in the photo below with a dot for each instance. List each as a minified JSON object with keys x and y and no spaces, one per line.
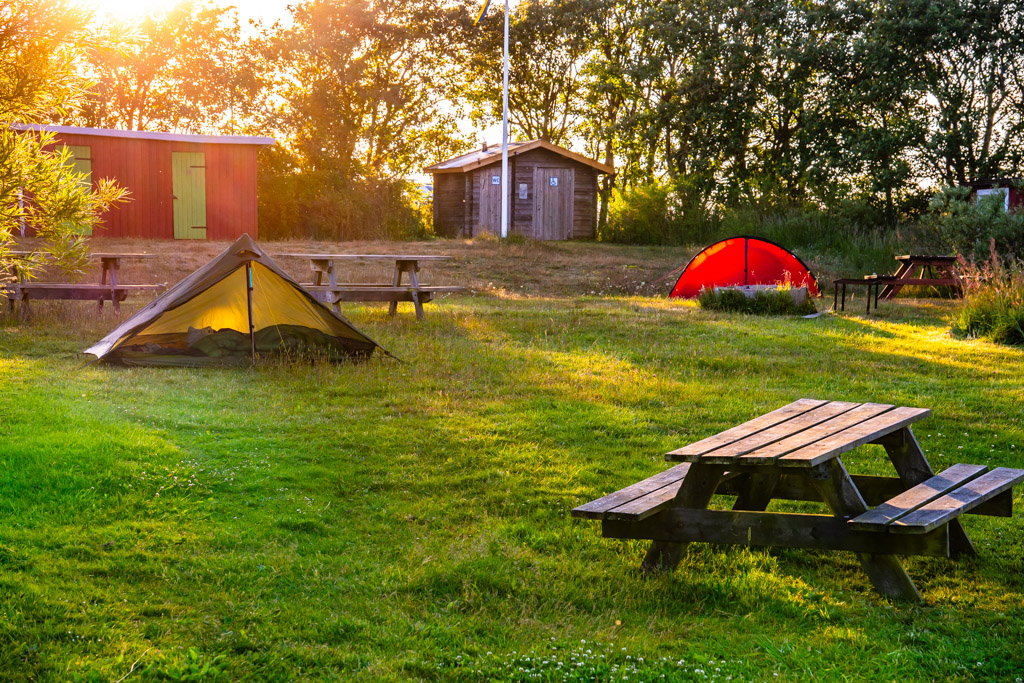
{"x":993,"y":301}
{"x":655,"y":214}
{"x":323,"y":205}
{"x":971,"y":228}
{"x":764,"y":303}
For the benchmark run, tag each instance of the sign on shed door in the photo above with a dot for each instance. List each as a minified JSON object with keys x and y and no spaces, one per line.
{"x":553,"y":190}
{"x":188,"y":182}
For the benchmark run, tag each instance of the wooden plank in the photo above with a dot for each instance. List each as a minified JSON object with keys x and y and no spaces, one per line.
{"x":654,"y":502}
{"x":773,"y":530}
{"x":851,"y":438}
{"x":730,"y":452}
{"x":596,"y":509}
{"x":845,"y":420}
{"x":941,"y":510}
{"x":765,"y":421}
{"x":913,"y":498}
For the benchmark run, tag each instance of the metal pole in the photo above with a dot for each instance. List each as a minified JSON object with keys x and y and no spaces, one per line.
{"x":248,"y":293}
{"x":504,"y":135}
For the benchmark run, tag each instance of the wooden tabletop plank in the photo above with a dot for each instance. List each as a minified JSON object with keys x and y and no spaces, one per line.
{"x":369,"y":257}
{"x":596,"y":509}
{"x":848,"y":439}
{"x":765,"y":421}
{"x":768,"y":454}
{"x":728,"y":453}
{"x":913,"y":498}
{"x":956,"y":502}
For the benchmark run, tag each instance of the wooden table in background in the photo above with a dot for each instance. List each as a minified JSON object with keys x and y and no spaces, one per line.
{"x":334,"y":292}
{"x":108,"y":289}
{"x":934,"y":271}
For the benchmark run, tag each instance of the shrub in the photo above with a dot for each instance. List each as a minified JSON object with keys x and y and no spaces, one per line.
{"x":993,"y":301}
{"x":970,"y":228}
{"x":655,"y":214}
{"x":778,"y":302}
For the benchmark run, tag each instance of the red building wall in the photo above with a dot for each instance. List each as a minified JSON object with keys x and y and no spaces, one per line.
{"x":143,"y":167}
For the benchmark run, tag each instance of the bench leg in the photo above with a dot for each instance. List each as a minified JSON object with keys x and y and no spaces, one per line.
{"x":839,"y":492}
{"x":912,"y":466}
{"x":696,"y":490}
{"x":417,"y":304}
{"x":393,"y":306}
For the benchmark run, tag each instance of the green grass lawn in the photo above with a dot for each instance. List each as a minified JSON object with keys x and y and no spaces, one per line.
{"x":410,"y":521}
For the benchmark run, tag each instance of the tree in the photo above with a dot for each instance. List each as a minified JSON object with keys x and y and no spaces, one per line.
{"x":182,"y":70}
{"x":549,"y":46}
{"x":40,"y":42}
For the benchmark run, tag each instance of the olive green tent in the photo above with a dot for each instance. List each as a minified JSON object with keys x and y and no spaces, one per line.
{"x":237,"y":307}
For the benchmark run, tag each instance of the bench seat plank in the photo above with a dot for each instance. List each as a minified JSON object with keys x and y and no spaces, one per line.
{"x":768,"y":454}
{"x":915,"y":497}
{"x":797,"y":425}
{"x":758,"y":424}
{"x":958,"y":501}
{"x":596,"y":509}
{"x":848,"y":439}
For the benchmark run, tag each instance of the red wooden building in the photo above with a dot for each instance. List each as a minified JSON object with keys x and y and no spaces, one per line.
{"x":181,"y":186}
{"x":1009,"y":188}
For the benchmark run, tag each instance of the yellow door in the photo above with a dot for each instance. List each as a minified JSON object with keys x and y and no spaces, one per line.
{"x":188,"y":180}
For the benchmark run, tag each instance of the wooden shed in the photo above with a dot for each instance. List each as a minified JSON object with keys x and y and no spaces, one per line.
{"x":1010,"y":188}
{"x":181,"y":186}
{"x":553,"y":192}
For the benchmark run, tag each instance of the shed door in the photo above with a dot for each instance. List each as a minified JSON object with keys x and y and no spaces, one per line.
{"x":488,"y":218}
{"x":188,"y":180}
{"x":553,"y":190}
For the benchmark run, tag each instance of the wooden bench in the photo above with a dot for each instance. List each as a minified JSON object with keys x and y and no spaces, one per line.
{"x":949,"y":494}
{"x":27,"y":291}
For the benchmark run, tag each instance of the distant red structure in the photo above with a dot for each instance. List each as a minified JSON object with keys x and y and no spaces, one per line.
{"x":1010,"y":188}
{"x":742,"y":261}
{"x":181,"y":186}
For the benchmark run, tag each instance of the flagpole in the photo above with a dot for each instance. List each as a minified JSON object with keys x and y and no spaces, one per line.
{"x":504,"y":134}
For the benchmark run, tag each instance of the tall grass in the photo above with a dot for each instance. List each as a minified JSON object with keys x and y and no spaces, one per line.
{"x":993,"y":300}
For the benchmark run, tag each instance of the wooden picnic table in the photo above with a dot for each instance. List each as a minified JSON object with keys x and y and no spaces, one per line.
{"x":793,"y":453}
{"x":108,"y":289}
{"x":334,"y":292}
{"x":934,"y":271}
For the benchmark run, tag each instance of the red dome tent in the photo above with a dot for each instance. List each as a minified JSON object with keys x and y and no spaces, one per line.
{"x":742,"y":261}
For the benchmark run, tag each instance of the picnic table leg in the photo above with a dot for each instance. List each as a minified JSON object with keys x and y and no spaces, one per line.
{"x":842,"y":305}
{"x":839,"y":492}
{"x":393,"y":306}
{"x":912,"y":466}
{"x":332,"y":278}
{"x":113,"y":288}
{"x":889,"y":291}
{"x":103,"y":281}
{"x":756,"y":491}
{"x":835,"y":296}
{"x":868,"y":297}
{"x":696,"y":490}
{"x":414,"y":279}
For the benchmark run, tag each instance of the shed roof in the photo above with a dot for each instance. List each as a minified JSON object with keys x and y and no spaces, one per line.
{"x":485,"y":157}
{"x":148,"y":135}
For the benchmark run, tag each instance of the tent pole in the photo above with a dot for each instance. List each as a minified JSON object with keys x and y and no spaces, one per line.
{"x":248,"y":294}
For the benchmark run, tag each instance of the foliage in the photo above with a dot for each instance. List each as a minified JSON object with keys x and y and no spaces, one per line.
{"x":182,"y":70}
{"x":39,"y":191}
{"x":326,"y":205}
{"x":973,"y":228}
{"x":993,"y":305}
{"x":546,"y":63}
{"x":770,"y":302}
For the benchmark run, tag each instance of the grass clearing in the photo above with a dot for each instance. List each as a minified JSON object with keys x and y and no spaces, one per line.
{"x":410,"y":521}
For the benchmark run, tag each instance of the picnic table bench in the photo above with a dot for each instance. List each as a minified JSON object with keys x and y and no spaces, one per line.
{"x":334,"y":292}
{"x":793,"y":453}
{"x":108,"y":288}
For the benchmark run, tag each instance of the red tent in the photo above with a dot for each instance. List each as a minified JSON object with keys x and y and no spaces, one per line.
{"x":742,"y":261}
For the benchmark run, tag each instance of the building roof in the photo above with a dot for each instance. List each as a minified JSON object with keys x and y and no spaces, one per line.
{"x":485,"y":157}
{"x":148,"y":135}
